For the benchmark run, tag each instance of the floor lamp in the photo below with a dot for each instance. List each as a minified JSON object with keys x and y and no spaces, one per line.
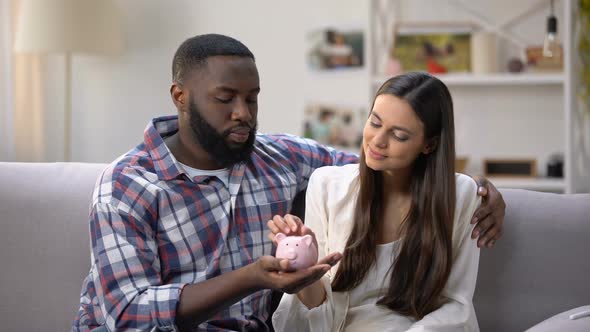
{"x":68,"y":27}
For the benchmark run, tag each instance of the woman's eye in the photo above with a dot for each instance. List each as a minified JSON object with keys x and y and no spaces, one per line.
{"x":375,"y":125}
{"x":400,"y":138}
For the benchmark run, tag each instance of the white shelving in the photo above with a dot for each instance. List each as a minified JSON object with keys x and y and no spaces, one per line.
{"x":495,"y":79}
{"x":540,"y":184}
{"x":385,"y":14}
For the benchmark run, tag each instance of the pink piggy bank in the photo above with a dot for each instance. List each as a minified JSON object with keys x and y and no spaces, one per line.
{"x":299,"y":250}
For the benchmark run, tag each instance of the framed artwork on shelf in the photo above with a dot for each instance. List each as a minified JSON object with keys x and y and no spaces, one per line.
{"x":434,"y":48}
{"x":335,"y":48}
{"x":334,"y":126}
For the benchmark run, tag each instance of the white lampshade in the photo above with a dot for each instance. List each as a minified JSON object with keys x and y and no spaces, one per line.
{"x":68,"y":26}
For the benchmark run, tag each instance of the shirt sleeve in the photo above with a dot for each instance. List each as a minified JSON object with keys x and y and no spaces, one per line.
{"x":310,"y":155}
{"x":458,"y":313}
{"x":291,"y":312}
{"x":126,"y":269}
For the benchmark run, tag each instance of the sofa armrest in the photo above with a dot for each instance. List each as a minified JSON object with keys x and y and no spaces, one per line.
{"x":562,"y":322}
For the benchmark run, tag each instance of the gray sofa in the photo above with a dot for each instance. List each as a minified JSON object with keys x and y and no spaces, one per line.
{"x":539,"y":269}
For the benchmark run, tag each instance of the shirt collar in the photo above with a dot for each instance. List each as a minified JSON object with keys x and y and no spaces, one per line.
{"x":165,"y":164}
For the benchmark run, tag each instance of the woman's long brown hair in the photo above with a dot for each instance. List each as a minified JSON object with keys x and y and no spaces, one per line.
{"x":423,"y":264}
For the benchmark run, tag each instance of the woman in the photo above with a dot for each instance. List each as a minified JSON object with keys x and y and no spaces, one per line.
{"x":401,"y":218}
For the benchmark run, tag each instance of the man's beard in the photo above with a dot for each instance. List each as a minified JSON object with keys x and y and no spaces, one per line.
{"x":215,"y":144}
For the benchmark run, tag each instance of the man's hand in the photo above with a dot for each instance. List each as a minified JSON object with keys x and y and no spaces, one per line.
{"x":274,"y":273}
{"x":200,"y":301}
{"x":489,"y":217}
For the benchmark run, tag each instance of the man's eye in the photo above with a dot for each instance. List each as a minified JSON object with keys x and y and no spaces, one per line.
{"x":223,"y":100}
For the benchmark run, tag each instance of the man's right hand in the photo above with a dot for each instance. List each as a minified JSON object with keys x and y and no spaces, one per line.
{"x":273,"y":273}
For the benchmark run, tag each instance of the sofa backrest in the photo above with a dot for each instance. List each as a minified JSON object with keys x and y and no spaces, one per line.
{"x":540,"y":267}
{"x":44,"y":245}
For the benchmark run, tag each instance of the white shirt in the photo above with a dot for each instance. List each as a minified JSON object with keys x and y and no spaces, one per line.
{"x":330,"y":203}
{"x":222,"y":174}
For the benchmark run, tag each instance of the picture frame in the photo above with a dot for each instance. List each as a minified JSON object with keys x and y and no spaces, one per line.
{"x":436,"y":48}
{"x":336,"y":126}
{"x":335,"y":48}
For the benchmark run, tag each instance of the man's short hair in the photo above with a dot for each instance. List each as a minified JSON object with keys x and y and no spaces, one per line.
{"x":193,"y":53}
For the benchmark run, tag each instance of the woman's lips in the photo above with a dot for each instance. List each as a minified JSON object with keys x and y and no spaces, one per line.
{"x":375,"y":155}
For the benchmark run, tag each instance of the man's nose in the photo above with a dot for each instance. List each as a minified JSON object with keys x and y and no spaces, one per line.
{"x":241,"y":111}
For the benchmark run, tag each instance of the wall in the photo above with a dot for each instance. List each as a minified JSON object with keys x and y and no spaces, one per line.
{"x":114,"y":98}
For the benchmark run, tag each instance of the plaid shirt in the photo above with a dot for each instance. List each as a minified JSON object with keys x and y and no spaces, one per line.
{"x":153,"y":229}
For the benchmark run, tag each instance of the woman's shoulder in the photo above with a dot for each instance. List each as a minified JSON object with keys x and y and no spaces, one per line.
{"x":466,"y":193}
{"x":465,"y":186}
{"x":467,"y":201}
{"x":339,"y":174}
{"x":334,"y":183}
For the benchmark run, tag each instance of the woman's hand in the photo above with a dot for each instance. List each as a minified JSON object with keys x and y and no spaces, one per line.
{"x":289,"y":225}
{"x":309,"y":289}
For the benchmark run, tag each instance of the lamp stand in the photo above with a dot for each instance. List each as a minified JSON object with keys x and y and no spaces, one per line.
{"x":68,"y":107}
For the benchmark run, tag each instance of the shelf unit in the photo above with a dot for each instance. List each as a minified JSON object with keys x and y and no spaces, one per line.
{"x":494,"y":79}
{"x":539,"y":184}
{"x":577,"y":179}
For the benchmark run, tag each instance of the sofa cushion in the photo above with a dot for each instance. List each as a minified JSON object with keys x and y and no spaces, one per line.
{"x":539,"y":266}
{"x":562,"y":322}
{"x":44,"y":246}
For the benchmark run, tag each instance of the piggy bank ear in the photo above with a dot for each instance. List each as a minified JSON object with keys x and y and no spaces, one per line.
{"x":307,"y":240}
{"x":280,"y":237}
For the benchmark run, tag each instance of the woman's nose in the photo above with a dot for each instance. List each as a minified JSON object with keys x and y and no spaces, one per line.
{"x":380,"y":140}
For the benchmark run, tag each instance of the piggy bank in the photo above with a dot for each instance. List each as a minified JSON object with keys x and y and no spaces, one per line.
{"x":299,"y":250}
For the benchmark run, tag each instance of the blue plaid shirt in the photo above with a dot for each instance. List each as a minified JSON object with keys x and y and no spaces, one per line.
{"x":154,"y":230}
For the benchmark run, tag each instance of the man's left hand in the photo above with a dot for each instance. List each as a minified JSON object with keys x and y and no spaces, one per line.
{"x":489,"y":217}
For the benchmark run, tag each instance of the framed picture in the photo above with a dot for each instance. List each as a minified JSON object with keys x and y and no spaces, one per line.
{"x":434,"y":48}
{"x":335,"y":48}
{"x":334,"y":125}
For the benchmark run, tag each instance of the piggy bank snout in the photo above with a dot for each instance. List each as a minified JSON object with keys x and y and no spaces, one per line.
{"x":291,"y":253}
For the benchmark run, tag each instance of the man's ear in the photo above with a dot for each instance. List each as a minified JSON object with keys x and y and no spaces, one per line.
{"x":179,"y":96}
{"x":431,"y":145}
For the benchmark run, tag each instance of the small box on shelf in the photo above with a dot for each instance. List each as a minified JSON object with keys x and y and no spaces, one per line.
{"x":510,"y":167}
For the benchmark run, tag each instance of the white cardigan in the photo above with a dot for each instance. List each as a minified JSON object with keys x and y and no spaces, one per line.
{"x":330,"y":202}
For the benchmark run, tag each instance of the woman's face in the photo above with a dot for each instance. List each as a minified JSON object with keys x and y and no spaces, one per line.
{"x":393,"y":136}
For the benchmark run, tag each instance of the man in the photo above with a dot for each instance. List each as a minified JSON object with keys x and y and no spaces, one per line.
{"x":178,"y":224}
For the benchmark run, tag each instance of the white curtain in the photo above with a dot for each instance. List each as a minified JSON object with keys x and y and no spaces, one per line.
{"x":6,"y":86}
{"x":22,"y":125}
